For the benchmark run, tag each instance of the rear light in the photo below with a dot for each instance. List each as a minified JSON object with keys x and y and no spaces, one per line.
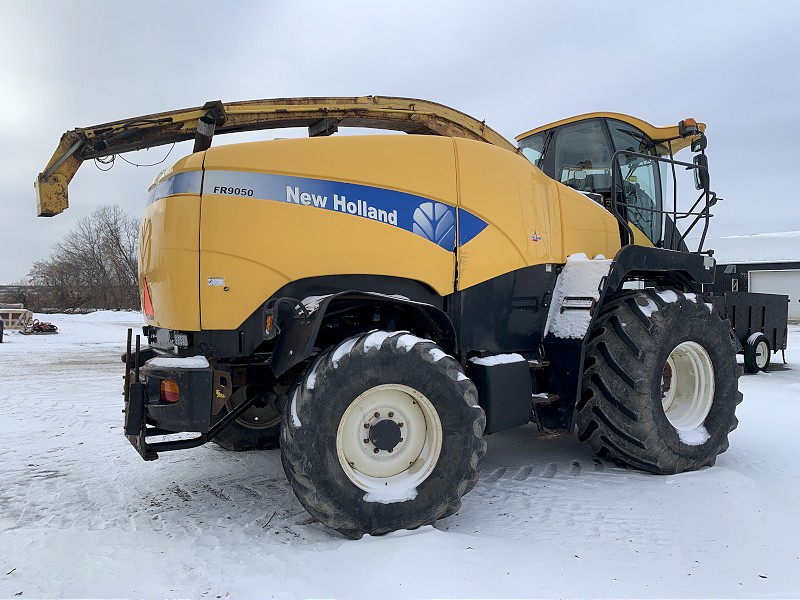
{"x":148,"y":304}
{"x":169,"y":391}
{"x":180,"y":339}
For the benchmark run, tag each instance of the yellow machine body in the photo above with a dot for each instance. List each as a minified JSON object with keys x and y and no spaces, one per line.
{"x":210,"y":257}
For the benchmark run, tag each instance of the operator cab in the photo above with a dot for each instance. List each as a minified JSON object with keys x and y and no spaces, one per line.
{"x":596,"y":152}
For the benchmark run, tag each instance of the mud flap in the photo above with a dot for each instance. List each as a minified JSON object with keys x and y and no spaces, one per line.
{"x":135,"y":428}
{"x":134,"y":409}
{"x":134,"y":394}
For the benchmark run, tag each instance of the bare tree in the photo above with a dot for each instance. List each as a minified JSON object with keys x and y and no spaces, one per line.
{"x":94,"y":266}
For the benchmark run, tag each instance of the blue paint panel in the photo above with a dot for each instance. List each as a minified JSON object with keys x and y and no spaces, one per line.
{"x":429,"y":219}
{"x":469,"y":226}
{"x":188,"y":182}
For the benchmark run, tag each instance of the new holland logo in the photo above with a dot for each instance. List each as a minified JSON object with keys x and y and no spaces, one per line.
{"x":435,"y":222}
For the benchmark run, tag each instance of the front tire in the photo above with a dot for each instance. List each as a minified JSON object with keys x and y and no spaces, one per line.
{"x":660,"y":383}
{"x":382,"y":433}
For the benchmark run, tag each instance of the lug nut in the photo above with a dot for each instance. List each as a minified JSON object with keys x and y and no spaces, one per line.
{"x":391,"y":414}
{"x":377,"y":415}
{"x":366,"y":440}
{"x":399,"y":424}
{"x":392,"y":449}
{"x":376,"y":450}
{"x":366,"y":425}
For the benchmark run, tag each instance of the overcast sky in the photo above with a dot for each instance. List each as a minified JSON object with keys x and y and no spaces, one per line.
{"x":67,"y":64}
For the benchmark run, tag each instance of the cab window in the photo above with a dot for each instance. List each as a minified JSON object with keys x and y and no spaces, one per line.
{"x":533,"y":148}
{"x":583,"y":156}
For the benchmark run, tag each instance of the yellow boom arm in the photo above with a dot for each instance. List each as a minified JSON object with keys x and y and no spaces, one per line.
{"x":322,"y":116}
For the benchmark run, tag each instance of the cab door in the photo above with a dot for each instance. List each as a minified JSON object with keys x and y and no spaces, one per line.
{"x":581,"y":155}
{"x":640,"y":179}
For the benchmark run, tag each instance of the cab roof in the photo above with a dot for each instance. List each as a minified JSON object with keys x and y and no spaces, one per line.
{"x":656,"y":133}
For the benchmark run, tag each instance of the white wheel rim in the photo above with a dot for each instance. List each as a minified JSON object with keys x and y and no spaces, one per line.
{"x":397,"y":472}
{"x":762,"y":354}
{"x":687,"y":386}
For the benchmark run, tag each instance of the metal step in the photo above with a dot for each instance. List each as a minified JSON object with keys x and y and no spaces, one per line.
{"x":578,"y":303}
{"x":538,"y":364}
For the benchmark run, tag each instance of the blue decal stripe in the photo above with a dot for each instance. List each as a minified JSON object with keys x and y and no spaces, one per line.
{"x":188,"y":182}
{"x":429,"y":219}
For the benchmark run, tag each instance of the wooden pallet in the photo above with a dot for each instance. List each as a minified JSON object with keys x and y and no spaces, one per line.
{"x":14,"y":316}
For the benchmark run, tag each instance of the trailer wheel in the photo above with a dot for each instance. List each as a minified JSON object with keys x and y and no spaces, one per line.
{"x":756,"y":353}
{"x":383,"y":432}
{"x":259,"y":428}
{"x":660,"y":383}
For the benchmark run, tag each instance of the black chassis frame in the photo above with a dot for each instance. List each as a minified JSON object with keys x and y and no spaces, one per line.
{"x":506,"y":314}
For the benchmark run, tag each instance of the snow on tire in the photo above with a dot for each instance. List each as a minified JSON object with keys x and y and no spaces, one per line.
{"x":660,"y":383}
{"x":383,"y":432}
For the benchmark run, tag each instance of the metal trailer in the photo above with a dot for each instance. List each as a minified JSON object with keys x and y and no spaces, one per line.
{"x":760,"y":323}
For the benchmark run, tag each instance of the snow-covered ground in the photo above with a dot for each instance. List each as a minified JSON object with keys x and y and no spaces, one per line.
{"x":81,"y":515}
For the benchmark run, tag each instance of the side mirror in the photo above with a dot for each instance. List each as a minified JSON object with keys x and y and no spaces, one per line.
{"x":701,"y":178}
{"x":699,"y":144}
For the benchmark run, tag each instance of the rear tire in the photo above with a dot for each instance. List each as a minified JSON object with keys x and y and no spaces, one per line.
{"x":757,"y":353}
{"x":660,"y":383}
{"x":382,"y":433}
{"x":259,"y":428}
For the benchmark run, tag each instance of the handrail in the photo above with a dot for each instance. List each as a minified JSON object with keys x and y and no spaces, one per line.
{"x":626,"y":233}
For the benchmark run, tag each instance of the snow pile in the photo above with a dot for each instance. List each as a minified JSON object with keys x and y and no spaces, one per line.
{"x":190,"y":362}
{"x":647,"y":309}
{"x":312,"y":303}
{"x":293,"y":408}
{"x":669,"y":296}
{"x":497,"y":359}
{"x":375,"y":339}
{"x":395,"y":491}
{"x":694,"y":298}
{"x":757,"y":248}
{"x":342,"y":351}
{"x":437,"y":354}
{"x":580,"y":277}
{"x":694,"y":437}
{"x":408,"y":341}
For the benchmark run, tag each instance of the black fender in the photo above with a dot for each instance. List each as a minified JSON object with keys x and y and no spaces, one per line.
{"x":671,"y":268}
{"x":667,"y":268}
{"x":299,"y":327}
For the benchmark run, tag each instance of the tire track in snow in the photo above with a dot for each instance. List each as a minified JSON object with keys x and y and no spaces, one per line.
{"x":543,"y":493}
